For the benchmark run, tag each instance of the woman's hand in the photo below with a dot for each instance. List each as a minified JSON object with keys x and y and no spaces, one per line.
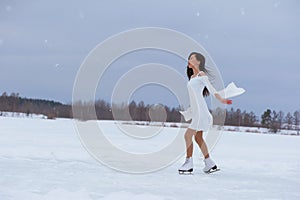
{"x":226,"y":101}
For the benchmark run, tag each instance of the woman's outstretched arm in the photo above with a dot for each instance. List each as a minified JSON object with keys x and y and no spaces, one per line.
{"x":225,"y":101}
{"x":213,"y":91}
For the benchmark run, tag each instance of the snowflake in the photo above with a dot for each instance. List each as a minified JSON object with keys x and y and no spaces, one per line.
{"x":242,"y":10}
{"x":276,"y":4}
{"x":81,"y":15}
{"x":8,"y":8}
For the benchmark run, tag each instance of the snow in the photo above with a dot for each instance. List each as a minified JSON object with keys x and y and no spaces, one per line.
{"x":44,"y":159}
{"x":22,"y":115}
{"x":276,"y":4}
{"x":81,"y":15}
{"x":259,"y":130}
{"x":242,"y":11}
{"x":8,"y":8}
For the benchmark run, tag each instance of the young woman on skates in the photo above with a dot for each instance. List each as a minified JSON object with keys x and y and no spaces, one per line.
{"x":202,"y":120}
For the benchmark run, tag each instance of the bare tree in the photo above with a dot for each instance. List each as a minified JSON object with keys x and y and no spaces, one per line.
{"x":289,"y":120}
{"x":253,"y":119}
{"x":280,"y":118}
{"x":297,"y":120}
{"x":274,"y":125}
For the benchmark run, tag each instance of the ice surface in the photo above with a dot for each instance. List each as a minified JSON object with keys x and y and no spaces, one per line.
{"x":44,"y":159}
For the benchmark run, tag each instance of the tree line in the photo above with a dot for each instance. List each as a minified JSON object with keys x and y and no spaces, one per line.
{"x":271,"y":119}
{"x":15,"y":104}
{"x":274,"y":120}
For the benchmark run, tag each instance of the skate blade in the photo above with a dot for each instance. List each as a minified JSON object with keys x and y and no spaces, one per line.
{"x":212,"y":170}
{"x":185,"y":172}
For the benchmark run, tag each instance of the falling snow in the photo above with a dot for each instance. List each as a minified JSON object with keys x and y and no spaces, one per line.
{"x":198,"y":14}
{"x":242,"y":10}
{"x":81,"y":15}
{"x":8,"y":8}
{"x":276,"y":4}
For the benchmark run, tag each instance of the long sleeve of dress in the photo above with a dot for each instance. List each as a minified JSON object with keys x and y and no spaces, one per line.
{"x":196,"y":85}
{"x":209,"y":86}
{"x":187,"y":114}
{"x":230,"y":91}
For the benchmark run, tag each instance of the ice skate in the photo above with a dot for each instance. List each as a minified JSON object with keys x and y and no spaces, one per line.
{"x":210,"y":166}
{"x":187,"y":167}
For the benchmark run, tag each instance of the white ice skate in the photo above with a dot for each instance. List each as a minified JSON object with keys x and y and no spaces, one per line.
{"x":187,"y":167}
{"x":210,"y":166}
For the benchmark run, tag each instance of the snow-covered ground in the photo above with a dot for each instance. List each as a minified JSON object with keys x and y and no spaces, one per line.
{"x":21,"y":115}
{"x":258,"y":130}
{"x":44,"y":159}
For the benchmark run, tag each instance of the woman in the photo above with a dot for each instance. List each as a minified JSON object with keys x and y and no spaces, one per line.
{"x":198,"y":88}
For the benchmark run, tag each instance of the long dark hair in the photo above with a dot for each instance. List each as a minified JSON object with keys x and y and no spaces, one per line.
{"x":190,"y":72}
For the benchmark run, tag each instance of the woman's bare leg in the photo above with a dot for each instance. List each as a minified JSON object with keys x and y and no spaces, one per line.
{"x":188,"y":136}
{"x":201,"y":143}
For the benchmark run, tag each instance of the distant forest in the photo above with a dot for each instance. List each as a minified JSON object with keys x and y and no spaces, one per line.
{"x":271,"y":119}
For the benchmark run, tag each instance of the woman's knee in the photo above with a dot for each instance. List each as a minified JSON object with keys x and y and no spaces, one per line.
{"x":198,"y":137}
{"x":188,"y":134}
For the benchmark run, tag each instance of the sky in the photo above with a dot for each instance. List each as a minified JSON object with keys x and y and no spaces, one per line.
{"x":253,"y":43}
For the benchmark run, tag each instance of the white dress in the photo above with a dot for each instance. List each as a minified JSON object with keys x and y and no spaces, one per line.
{"x":202,"y":119}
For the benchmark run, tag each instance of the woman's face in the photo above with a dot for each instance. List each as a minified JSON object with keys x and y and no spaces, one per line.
{"x":193,"y":62}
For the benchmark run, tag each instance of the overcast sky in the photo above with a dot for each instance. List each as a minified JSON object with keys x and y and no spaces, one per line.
{"x":253,"y":43}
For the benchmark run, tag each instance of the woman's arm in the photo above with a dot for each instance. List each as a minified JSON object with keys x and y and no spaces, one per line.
{"x":225,"y":101}
{"x":213,"y":91}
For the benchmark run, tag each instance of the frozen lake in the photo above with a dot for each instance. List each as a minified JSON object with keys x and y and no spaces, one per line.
{"x":44,"y":159}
